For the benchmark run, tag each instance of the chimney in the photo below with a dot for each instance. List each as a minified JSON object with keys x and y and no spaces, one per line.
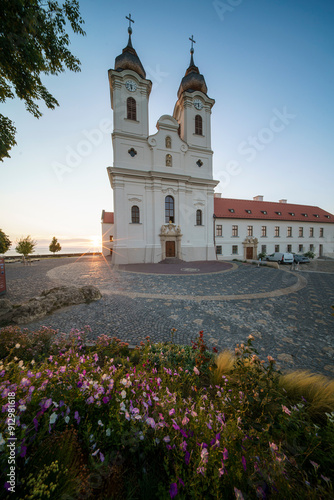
{"x":283,"y":201}
{"x":259,"y":197}
{"x":217,"y":195}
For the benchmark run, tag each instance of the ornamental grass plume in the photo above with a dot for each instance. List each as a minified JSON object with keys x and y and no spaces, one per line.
{"x":224,"y":364}
{"x":317,"y":391}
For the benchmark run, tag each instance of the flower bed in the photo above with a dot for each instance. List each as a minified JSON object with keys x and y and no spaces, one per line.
{"x":161,"y":421}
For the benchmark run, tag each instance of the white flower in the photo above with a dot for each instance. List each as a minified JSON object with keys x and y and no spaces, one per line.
{"x":67,"y":419}
{"x":123,"y":394}
{"x":53,"y":418}
{"x":22,"y":408}
{"x":100,"y":423}
{"x":17,"y":346}
{"x":108,"y":432}
{"x":21,"y":363}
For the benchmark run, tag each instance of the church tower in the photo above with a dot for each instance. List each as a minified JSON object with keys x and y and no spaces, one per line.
{"x":162,"y":184}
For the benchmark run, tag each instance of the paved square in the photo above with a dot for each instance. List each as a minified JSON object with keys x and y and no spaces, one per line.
{"x":289,"y":313}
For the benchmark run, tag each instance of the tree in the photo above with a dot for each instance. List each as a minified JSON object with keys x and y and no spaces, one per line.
{"x":5,"y":242}
{"x":25,"y":246}
{"x":54,"y":245}
{"x":33,"y":41}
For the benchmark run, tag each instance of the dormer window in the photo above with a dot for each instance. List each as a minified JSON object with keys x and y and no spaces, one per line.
{"x":264,"y":212}
{"x":315,"y":215}
{"x":305,"y":215}
{"x":198,"y":125}
{"x":278,"y":213}
{"x":292,"y":213}
{"x":327,"y":216}
{"x":248,"y":211}
{"x":131,"y":109}
{"x":231,"y":210}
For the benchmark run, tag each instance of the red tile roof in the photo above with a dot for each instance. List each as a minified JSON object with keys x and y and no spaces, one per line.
{"x":107,"y":217}
{"x":227,"y":208}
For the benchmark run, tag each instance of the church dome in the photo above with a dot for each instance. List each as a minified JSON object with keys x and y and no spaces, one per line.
{"x":192,"y":80}
{"x":129,"y":60}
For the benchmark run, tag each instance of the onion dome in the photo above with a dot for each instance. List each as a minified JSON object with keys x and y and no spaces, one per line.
{"x":129,"y":58}
{"x":192,"y":80}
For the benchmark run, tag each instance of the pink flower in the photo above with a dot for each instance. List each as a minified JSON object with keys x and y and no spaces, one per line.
{"x":222,"y":469}
{"x":238,"y":494}
{"x":286,"y":410}
{"x":171,"y":412}
{"x":185,"y":420}
{"x":47,"y":403}
{"x":196,"y":371}
{"x":225,"y":454}
{"x":204,"y":456}
{"x":166,"y":439}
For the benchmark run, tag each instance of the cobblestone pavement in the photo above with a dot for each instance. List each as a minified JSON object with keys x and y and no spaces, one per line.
{"x":289,"y":313}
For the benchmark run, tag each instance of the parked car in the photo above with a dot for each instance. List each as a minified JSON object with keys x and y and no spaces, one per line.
{"x":300,"y":259}
{"x":283,"y":258}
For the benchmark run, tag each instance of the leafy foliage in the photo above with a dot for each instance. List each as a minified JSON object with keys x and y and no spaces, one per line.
{"x":5,"y":242}
{"x":54,"y":245}
{"x":25,"y":246}
{"x":310,"y":254}
{"x":33,"y":41}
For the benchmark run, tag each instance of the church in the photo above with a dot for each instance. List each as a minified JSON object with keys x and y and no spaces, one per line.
{"x":163,"y":187}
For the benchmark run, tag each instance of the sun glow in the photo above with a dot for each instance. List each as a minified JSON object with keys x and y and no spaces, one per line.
{"x":96,"y":242}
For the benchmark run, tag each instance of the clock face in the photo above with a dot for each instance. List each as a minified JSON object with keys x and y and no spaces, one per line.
{"x":131,"y":85}
{"x":198,"y":104}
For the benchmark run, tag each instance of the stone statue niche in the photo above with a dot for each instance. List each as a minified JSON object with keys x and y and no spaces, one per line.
{"x":168,"y":160}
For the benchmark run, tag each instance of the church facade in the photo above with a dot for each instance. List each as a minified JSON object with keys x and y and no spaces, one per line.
{"x":163,"y":186}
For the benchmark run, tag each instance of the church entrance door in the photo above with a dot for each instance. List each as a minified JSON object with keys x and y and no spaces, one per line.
{"x":170,"y":249}
{"x":249,"y":253}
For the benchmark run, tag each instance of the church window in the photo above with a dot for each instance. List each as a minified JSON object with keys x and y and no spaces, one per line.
{"x":277,"y":232}
{"x":264,"y":231}
{"x":219,"y":250}
{"x":219,"y":230}
{"x":289,"y":248}
{"x":135,"y":214}
{"x":198,"y":125}
{"x":111,"y":238}
{"x":301,"y":232}
{"x":263,"y":248}
{"x":301,"y":248}
{"x":199,"y":163}
{"x":169,"y":209}
{"x":198,"y":217}
{"x":321,"y":232}
{"x":168,"y":142}
{"x":311,"y":232}
{"x":169,"y":161}
{"x":131,"y":108}
{"x":234,"y":230}
{"x":249,"y":230}
{"x":276,"y":248}
{"x":289,"y":232}
{"x":235,"y":249}
{"x":311,"y":248}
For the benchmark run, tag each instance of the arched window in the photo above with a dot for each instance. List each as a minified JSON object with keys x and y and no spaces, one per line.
{"x":198,"y":217}
{"x":168,"y":142}
{"x":198,"y":125}
{"x":135,"y":214}
{"x":131,"y":108}
{"x":169,"y":161}
{"x":169,"y":209}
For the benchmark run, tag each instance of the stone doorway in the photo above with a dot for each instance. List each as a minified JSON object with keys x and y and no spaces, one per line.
{"x":170,"y":249}
{"x":250,"y":247}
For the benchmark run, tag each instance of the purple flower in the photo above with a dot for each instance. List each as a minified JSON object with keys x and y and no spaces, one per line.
{"x":180,"y":481}
{"x":244,"y":463}
{"x":23,"y":451}
{"x":105,"y":399}
{"x":171,"y":412}
{"x":187,"y":458}
{"x":90,"y":400}
{"x":101,"y":457}
{"x":173,"y":490}
{"x":225,"y":454}
{"x":47,"y":403}
{"x":35,"y":423}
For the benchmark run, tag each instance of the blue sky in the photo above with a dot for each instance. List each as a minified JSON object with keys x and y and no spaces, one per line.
{"x":268,"y":64}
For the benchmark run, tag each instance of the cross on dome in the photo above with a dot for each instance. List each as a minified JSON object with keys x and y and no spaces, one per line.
{"x":130,"y":21}
{"x":192,"y":44}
